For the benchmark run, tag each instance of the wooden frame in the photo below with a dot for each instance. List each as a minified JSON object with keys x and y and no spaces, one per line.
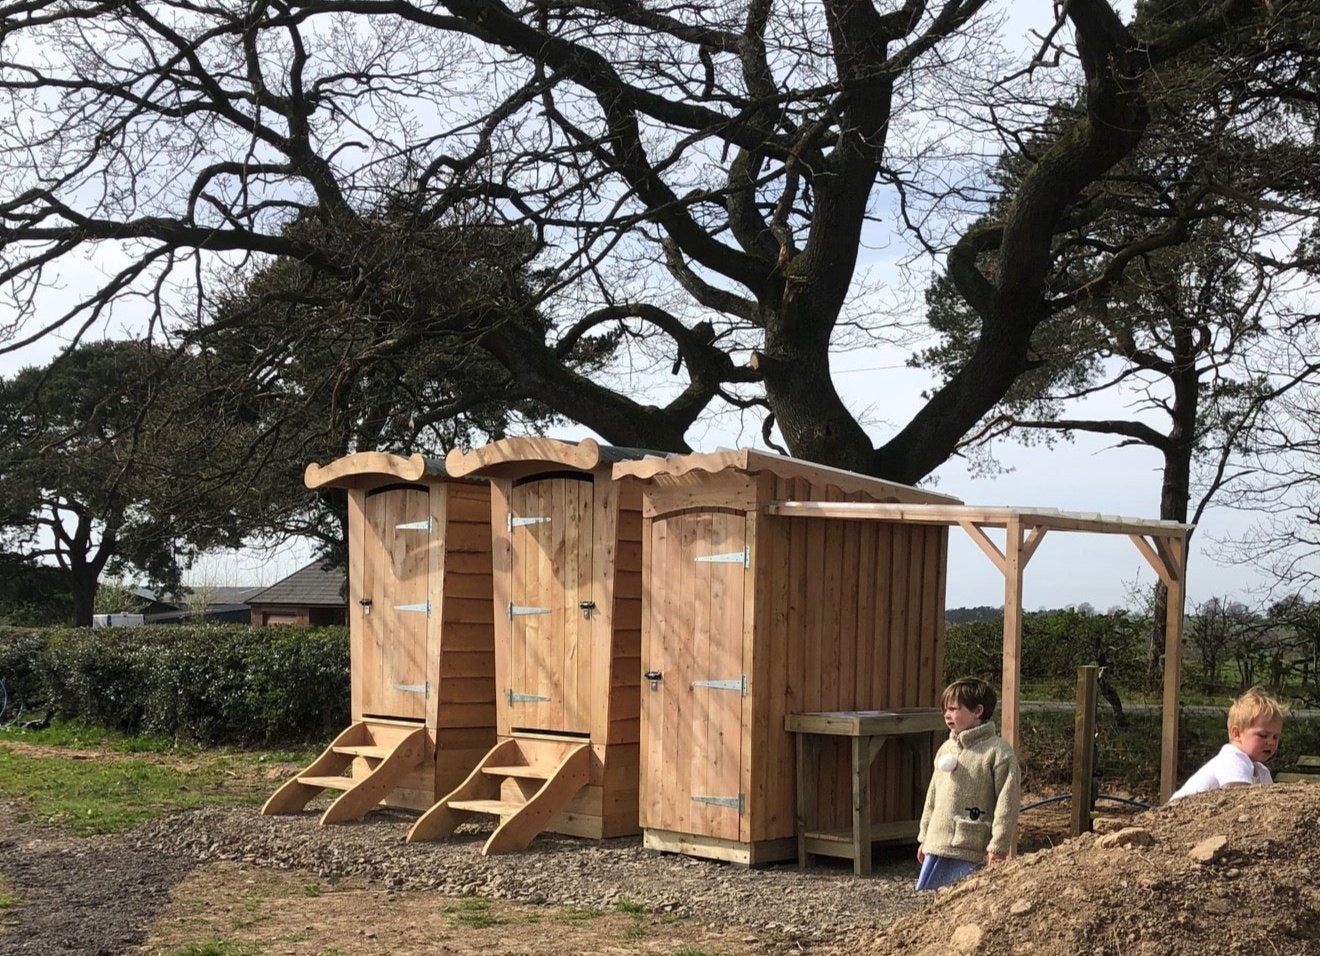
{"x":1162,"y":543}
{"x":749,"y":619}
{"x":452,"y":555}
{"x":567,"y":613}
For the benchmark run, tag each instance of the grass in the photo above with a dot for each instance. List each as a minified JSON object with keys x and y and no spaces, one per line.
{"x":574,"y":914}
{"x":214,"y":947}
{"x":146,"y":777}
{"x":473,"y":912}
{"x":630,"y":907}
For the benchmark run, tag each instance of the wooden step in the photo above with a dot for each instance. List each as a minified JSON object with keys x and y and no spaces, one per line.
{"x":1309,"y":761}
{"x":520,"y":770}
{"x":365,"y":750}
{"x":501,"y":808}
{"x":332,"y":783}
{"x":1297,"y":778}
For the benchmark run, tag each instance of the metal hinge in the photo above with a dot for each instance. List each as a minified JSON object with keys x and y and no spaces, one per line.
{"x":743,"y":557}
{"x":415,"y":525}
{"x":414,"y":688}
{"x":740,"y":685}
{"x":522,"y":522}
{"x":515,"y":698}
{"x":732,"y":802}
{"x":424,"y":607}
{"x":515,"y":610}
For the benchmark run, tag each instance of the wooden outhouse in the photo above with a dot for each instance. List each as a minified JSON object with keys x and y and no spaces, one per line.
{"x":748,"y":618}
{"x":421,"y":637}
{"x":567,"y":610}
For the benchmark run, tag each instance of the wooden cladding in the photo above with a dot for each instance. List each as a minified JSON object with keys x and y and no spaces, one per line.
{"x":747,"y":618}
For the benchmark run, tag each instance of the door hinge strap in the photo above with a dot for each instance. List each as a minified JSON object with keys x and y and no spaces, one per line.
{"x":414,"y":688}
{"x":743,"y":557}
{"x":523,"y":522}
{"x":732,"y":802}
{"x":415,"y":525}
{"x":516,"y":698}
{"x":740,"y":685}
{"x":424,"y":607}
{"x":516,"y":610}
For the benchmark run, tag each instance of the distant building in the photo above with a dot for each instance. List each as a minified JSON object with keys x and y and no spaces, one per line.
{"x":227,"y":605}
{"x":312,"y":596}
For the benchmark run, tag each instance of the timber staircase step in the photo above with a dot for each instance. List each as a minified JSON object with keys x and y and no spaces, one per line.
{"x":520,"y":770}
{"x":327,"y":783}
{"x":561,"y":765}
{"x":395,"y":756}
{"x":364,"y":750}
{"x":502,"y":808}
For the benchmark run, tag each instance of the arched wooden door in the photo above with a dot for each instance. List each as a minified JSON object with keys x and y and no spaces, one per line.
{"x":395,"y":560}
{"x":551,"y":607}
{"x":693,"y":711}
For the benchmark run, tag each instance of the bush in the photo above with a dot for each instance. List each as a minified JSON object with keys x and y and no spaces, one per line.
{"x":206,"y":683}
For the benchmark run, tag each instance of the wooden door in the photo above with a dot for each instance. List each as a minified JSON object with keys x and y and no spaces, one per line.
{"x":692,"y":715}
{"x":551,"y":610}
{"x":395,"y":553}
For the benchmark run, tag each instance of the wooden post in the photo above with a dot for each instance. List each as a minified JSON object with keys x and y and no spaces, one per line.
{"x":1088,"y":687}
{"x":1173,"y":627}
{"x":1009,"y":693}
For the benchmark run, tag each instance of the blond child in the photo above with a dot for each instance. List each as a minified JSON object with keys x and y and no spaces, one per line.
{"x":1255,"y":723}
{"x":971,"y":811}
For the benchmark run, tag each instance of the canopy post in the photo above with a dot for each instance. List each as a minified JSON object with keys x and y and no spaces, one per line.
{"x":1176,"y":562}
{"x":1010,"y":693}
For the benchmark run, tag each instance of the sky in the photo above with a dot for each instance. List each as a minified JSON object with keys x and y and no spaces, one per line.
{"x":1087,"y":475}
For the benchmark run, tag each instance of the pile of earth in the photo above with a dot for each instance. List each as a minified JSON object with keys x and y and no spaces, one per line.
{"x":1226,"y":872}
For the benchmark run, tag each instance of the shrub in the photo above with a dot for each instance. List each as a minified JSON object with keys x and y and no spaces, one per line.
{"x":208,"y":683}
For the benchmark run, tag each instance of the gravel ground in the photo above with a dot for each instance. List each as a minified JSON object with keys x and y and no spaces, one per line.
{"x":825,"y":905}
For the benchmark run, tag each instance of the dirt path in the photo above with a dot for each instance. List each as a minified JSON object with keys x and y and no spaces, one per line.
{"x":93,"y":895}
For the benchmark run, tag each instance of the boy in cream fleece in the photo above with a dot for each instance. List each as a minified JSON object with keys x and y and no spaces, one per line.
{"x":971,"y":809}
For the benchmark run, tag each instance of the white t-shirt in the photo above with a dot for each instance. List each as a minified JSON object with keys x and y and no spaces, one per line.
{"x":1230,"y":765}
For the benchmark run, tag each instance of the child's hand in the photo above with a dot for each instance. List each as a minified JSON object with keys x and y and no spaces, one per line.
{"x":992,"y":858}
{"x":921,"y":854}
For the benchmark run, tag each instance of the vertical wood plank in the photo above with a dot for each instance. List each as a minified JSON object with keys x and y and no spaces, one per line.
{"x":1173,"y":628}
{"x":1012,"y":631}
{"x":359,"y":559}
{"x":502,"y":573}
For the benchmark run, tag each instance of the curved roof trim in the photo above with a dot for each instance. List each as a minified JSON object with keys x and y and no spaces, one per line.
{"x":367,"y":468}
{"x":518,"y":457}
{"x":751,"y":461}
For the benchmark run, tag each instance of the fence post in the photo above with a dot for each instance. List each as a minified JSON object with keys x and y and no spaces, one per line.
{"x":1083,"y":793}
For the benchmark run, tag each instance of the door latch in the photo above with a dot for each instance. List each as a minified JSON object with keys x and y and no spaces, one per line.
{"x":587,"y":607}
{"x":366,"y":605}
{"x":654,"y":678}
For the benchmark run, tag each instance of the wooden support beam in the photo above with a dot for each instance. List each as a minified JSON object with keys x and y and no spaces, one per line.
{"x":1034,"y":539}
{"x":1010,"y":694}
{"x":1153,"y":558}
{"x":977,"y":534}
{"x":1176,"y":549}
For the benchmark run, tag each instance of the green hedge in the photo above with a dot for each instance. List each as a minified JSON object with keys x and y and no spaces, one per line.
{"x":206,"y":683}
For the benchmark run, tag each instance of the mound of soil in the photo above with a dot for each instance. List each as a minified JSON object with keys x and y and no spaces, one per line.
{"x":1226,"y":872}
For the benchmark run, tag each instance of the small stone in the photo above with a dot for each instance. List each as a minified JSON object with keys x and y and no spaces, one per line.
{"x":1209,"y":848}
{"x":1021,"y":907}
{"x":967,"y":938}
{"x":1128,"y":836}
{"x":1107,"y":824}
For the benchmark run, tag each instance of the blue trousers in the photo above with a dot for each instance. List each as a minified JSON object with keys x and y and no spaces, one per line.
{"x":937,"y":871}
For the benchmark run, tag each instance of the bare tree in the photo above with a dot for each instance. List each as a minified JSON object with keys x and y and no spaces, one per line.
{"x":743,"y":146}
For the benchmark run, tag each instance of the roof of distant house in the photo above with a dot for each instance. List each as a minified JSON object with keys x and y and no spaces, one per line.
{"x":313,"y":585}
